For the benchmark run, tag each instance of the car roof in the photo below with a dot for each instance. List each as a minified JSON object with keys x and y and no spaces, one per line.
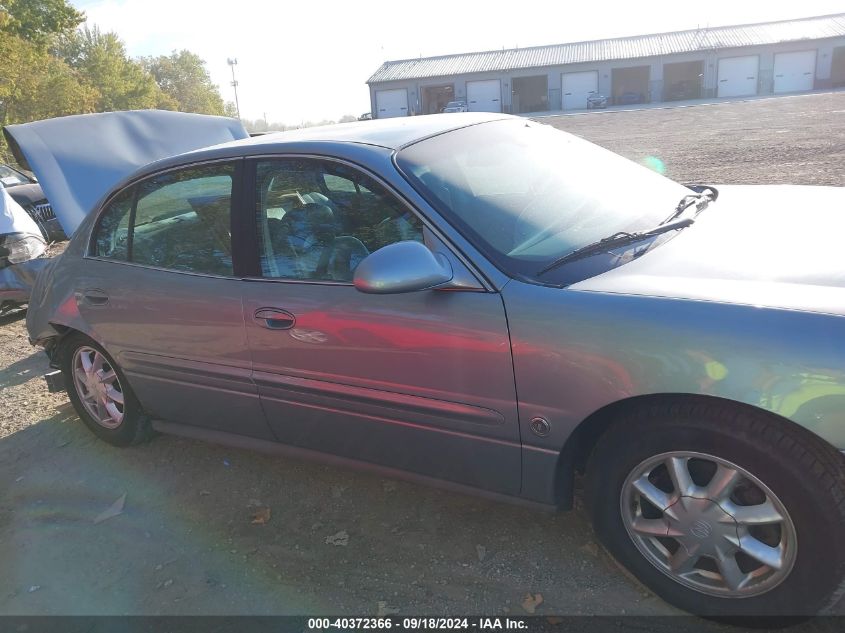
{"x":393,"y":133}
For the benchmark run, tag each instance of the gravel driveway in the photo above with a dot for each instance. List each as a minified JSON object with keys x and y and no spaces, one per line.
{"x":194,"y":535}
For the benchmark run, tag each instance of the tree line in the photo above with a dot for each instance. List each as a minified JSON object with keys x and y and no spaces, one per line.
{"x":53,"y":65}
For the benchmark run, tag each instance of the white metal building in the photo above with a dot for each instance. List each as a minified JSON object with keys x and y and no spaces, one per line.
{"x":729,"y":61}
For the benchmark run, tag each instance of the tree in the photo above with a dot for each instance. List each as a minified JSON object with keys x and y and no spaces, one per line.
{"x":348,"y":118}
{"x":38,"y":21}
{"x":101,"y":59}
{"x":230,"y":110}
{"x":183,"y":77}
{"x":35,"y":85}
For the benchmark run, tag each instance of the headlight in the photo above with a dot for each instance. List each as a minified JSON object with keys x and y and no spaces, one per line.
{"x":17,"y":248}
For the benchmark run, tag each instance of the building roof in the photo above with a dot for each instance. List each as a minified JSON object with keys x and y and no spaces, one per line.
{"x":612,"y":49}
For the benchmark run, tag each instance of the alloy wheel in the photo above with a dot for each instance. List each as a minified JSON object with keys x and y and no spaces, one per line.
{"x":708,"y":524}
{"x":98,"y":387}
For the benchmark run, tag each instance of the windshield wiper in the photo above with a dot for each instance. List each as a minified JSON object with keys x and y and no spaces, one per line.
{"x":616,"y":240}
{"x":704,"y":195}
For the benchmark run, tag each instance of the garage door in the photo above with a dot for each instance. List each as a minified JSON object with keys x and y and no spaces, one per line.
{"x":577,"y":87}
{"x":484,"y":96}
{"x":795,"y":72}
{"x":738,"y":76}
{"x":391,"y":103}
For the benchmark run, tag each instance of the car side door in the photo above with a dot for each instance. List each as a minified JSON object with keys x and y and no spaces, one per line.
{"x":159,"y":291}
{"x":421,"y":381}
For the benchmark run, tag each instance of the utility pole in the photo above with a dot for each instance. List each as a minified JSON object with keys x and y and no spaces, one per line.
{"x":233,"y":61}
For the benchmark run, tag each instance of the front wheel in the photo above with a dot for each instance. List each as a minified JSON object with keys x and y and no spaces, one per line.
{"x":722,"y":512}
{"x":101,"y":394}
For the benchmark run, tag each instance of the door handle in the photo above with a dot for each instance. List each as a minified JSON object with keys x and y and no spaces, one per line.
{"x":274,"y":318}
{"x":93,"y":297}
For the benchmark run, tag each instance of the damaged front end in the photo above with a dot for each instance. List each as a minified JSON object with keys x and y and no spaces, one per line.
{"x":21,"y":248}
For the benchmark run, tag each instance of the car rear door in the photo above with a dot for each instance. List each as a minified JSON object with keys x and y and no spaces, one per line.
{"x":159,"y":292}
{"x":420,"y":381}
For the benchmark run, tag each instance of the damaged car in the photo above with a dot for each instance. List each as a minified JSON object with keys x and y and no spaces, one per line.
{"x":21,"y":246}
{"x":474,"y":300}
{"x":27,"y":192}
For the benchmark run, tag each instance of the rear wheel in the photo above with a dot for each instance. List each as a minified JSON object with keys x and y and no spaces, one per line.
{"x":100,"y":393}
{"x":720,"y":511}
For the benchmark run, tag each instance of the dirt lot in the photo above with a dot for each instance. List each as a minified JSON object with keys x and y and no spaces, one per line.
{"x":787,"y":140}
{"x":338,"y":541}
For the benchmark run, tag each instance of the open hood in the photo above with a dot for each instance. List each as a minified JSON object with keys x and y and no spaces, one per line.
{"x":78,"y":159}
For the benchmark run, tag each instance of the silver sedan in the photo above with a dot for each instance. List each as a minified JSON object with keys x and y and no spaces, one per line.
{"x":478,"y":301}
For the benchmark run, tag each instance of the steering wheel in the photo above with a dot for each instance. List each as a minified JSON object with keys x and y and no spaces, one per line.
{"x":340,"y":259}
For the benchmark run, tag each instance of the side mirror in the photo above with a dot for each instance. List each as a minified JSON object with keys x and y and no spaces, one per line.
{"x":402,"y":267}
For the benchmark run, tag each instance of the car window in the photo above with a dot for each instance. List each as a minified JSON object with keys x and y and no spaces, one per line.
{"x":181,"y":221}
{"x":112,"y":235}
{"x":317,"y":220}
{"x":10,"y":177}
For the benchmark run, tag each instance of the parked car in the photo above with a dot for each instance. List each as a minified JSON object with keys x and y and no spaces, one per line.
{"x":26,"y":191}
{"x":367,"y":116}
{"x":595,"y":100}
{"x":464,"y":298}
{"x":21,"y":244}
{"x":455,"y":106}
{"x":630,"y":98}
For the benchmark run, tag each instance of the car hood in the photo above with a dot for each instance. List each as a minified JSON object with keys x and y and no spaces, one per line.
{"x":772,"y":245}
{"x":78,"y":159}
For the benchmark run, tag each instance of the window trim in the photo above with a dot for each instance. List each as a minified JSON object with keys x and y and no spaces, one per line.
{"x":251,"y":202}
{"x":236,"y":218}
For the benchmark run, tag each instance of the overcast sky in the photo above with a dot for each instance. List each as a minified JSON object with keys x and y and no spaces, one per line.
{"x":309,"y":60}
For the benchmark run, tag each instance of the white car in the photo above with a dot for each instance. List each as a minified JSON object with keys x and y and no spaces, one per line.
{"x":21,"y":244}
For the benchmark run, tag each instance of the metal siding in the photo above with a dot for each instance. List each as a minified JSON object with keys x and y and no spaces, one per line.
{"x":613,"y":49}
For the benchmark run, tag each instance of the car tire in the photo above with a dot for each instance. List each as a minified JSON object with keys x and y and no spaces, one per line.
{"x":97,"y":401}
{"x":779,"y":470}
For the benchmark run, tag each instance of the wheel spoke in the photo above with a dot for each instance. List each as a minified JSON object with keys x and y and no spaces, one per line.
{"x":761,"y":514}
{"x":80,"y":375}
{"x":107,"y":376}
{"x":96,"y":408}
{"x":732,"y":575}
{"x":682,"y":562}
{"x":654,"y":495}
{"x":679,"y":472}
{"x":85,"y":361}
{"x":113,"y":412}
{"x":759,"y":551}
{"x":114,"y":395}
{"x":650,"y":527}
{"x":97,"y":363}
{"x":722,"y":484}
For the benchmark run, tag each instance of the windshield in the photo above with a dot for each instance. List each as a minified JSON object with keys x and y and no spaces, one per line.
{"x":10,"y":177}
{"x":526,"y":193}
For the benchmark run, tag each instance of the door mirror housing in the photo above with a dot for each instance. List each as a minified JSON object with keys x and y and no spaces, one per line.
{"x":402,"y":267}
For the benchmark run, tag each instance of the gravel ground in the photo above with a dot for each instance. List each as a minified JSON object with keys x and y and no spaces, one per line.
{"x":337,"y":541}
{"x":796,"y":140}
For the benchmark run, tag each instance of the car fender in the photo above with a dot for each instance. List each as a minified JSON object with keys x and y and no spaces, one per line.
{"x":578,"y":352}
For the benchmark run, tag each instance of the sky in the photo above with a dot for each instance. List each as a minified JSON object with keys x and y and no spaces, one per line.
{"x":309,"y":60}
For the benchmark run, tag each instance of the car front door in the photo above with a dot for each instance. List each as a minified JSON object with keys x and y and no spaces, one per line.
{"x":159,"y":292}
{"x":420,"y":381}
